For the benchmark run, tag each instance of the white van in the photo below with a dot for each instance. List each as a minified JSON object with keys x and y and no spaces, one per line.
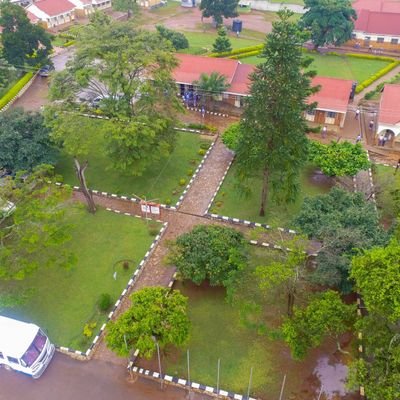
{"x":24,"y":347}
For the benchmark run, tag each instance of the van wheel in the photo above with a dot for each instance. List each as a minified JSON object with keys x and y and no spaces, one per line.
{"x":7,"y":367}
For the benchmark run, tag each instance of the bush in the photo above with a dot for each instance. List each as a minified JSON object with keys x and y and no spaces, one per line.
{"x":104,"y":302}
{"x":211,"y":128}
{"x":189,"y":172}
{"x":257,"y":47}
{"x":88,"y":329}
{"x":200,"y":127}
{"x":178,"y":39}
{"x":182,"y":182}
{"x":245,"y":55}
{"x":201,"y":152}
{"x":205,"y":145}
{"x":168,"y":201}
{"x":70,"y":43}
{"x":15,"y":89}
{"x":231,"y":136}
{"x":378,"y":75}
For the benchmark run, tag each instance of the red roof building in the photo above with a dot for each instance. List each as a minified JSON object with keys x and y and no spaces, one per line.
{"x":389,"y":110}
{"x":332,"y":101}
{"x":390,"y":6}
{"x":52,"y":13}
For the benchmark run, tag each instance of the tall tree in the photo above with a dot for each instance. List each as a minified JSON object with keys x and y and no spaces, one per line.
{"x":222,"y":42}
{"x":273,"y":143}
{"x":155,"y":316}
{"x":24,"y":140}
{"x":178,"y":39}
{"x":376,"y":272}
{"x":325,"y":316}
{"x":32,"y":236}
{"x":211,"y":86}
{"x":330,"y":21}
{"x":129,"y":6}
{"x":131,"y":71}
{"x":23,"y":43}
{"x":288,"y":273}
{"x":218,"y":9}
{"x":343,"y":222}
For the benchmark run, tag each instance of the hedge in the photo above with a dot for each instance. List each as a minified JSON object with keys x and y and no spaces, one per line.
{"x":15,"y":89}
{"x":238,"y":51}
{"x":376,"y":76}
{"x":245,"y":55}
{"x":70,"y":43}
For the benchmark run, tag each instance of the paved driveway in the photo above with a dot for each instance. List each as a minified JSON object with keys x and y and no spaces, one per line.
{"x":68,"y":379}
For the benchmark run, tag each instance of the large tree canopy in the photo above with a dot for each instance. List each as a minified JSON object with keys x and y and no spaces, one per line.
{"x":343,"y":222}
{"x":213,"y":253}
{"x":330,"y":21}
{"x":274,"y":144}
{"x":23,"y":43}
{"x":24,"y":141}
{"x":218,"y":9}
{"x":155,"y":315}
{"x":130,"y":70}
{"x":128,"y":6}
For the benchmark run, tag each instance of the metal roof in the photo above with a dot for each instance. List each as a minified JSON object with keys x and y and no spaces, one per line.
{"x":16,"y":336}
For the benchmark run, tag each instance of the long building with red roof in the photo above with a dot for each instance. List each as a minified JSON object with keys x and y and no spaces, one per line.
{"x":389,"y":111}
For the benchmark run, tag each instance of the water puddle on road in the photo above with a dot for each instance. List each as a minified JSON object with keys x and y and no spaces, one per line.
{"x":332,"y":377}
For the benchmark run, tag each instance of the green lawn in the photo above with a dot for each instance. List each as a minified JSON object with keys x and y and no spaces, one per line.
{"x":64,"y":300}
{"x":386,"y":181}
{"x":160,"y":181}
{"x":231,"y":202}
{"x":357,"y":69}
{"x":217,"y":332}
{"x":201,"y":43}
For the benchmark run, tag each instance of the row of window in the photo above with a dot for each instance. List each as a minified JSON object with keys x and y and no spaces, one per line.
{"x":378,"y":39}
{"x":329,"y":114}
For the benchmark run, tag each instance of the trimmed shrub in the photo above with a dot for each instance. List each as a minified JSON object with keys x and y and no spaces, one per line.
{"x":377,"y":75}
{"x":205,"y":145}
{"x":189,"y":172}
{"x":244,"y":55}
{"x":182,"y":182}
{"x":104,"y":302}
{"x":193,"y":125}
{"x":257,"y":47}
{"x":201,"y":152}
{"x":15,"y":89}
{"x":70,"y":43}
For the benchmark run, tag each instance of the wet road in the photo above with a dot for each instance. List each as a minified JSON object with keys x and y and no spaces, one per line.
{"x":36,"y":96}
{"x":67,"y":379}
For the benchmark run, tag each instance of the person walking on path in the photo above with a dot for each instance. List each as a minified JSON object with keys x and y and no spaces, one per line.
{"x":380,"y":140}
{"x":357,"y":113}
{"x":324,"y":131}
{"x":384,"y":140}
{"x":358,"y":139}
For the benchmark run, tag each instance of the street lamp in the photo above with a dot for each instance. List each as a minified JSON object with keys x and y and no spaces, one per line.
{"x":159,"y":361}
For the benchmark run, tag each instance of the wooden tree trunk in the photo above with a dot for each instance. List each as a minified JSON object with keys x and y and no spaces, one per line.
{"x":80,"y":173}
{"x":264,"y":192}
{"x":290,"y":304}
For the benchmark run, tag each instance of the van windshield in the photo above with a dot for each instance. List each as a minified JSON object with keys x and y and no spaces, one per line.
{"x":34,"y":349}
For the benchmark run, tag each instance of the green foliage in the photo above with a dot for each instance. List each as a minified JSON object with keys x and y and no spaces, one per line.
{"x":275,"y":143}
{"x":15,"y":89}
{"x":24,"y":141}
{"x":325,"y":316}
{"x":155,"y":315}
{"x":178,"y":39}
{"x":201,"y":152}
{"x":212,"y":253}
{"x":182,"y":182}
{"x":330,"y":21}
{"x":219,"y":9}
{"x":245,"y":55}
{"x":231,"y":136}
{"x":242,"y":50}
{"x":32,"y":237}
{"x":344,"y":222}
{"x":222,"y":43}
{"x":88,"y":329}
{"x":128,"y":6}
{"x":23,"y":43}
{"x":104,"y":302}
{"x":338,"y":159}
{"x":210,"y":86}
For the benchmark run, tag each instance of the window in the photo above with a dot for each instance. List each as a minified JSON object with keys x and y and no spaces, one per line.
{"x":394,"y":41}
{"x":354,"y":36}
{"x":311,"y":112}
{"x":380,"y":39}
{"x":34,"y":350}
{"x":331,"y":114}
{"x":367,"y":37}
{"x":1,"y":355}
{"x":13,"y":360}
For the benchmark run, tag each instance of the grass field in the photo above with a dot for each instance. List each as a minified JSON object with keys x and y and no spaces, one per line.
{"x":385,"y":182}
{"x":357,"y":69}
{"x":232,"y":203}
{"x":160,"y":181}
{"x":218,"y":333}
{"x":64,"y":300}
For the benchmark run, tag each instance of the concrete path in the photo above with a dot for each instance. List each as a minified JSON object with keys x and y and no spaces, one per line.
{"x":264,"y":5}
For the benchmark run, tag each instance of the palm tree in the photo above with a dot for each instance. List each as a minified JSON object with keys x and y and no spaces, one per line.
{"x":211,"y":86}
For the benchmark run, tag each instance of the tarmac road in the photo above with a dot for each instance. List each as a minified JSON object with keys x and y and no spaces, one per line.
{"x":68,"y":379}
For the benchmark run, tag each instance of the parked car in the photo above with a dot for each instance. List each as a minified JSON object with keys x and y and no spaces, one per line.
{"x":46,"y":70}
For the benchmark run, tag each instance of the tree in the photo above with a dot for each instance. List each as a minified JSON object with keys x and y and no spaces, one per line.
{"x":211,"y":86}
{"x":213,"y":253}
{"x":32,"y":236}
{"x":178,"y":39}
{"x":222,"y":42}
{"x":218,"y":9}
{"x":339,"y":159}
{"x":230,"y":137}
{"x":24,"y":140}
{"x":288,"y":273}
{"x":329,"y":21}
{"x":128,"y":6}
{"x":325,"y":316}
{"x":23,"y":43}
{"x":274,"y":142}
{"x":375,"y":272}
{"x":343,"y":222}
{"x":155,"y":316}
{"x":111,"y":61}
